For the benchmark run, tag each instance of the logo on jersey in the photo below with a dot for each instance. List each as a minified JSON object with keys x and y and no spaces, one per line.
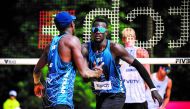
{"x":99,"y":60}
{"x":106,"y":85}
{"x":132,"y":81}
{"x":158,"y":86}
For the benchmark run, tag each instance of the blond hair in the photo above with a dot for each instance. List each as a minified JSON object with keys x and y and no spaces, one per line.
{"x":128,"y":32}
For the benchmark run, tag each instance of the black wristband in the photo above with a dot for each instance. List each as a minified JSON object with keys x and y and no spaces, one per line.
{"x":143,"y":72}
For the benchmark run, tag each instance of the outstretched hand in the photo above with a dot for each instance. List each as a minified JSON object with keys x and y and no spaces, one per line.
{"x":156,"y":96}
{"x":98,"y":69}
{"x":38,"y":90}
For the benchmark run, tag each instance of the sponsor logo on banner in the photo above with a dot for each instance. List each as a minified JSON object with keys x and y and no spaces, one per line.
{"x":182,"y":61}
{"x":9,"y":61}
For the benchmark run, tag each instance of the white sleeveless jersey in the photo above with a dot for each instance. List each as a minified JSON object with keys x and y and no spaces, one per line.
{"x":134,"y":84}
{"x":161,"y":87}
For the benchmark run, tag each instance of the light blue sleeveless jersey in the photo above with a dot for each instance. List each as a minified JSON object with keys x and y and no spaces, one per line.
{"x":111,"y":70}
{"x":60,"y":79}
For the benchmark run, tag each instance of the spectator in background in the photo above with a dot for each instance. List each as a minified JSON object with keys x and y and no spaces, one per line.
{"x":11,"y":102}
{"x":163,"y":84}
{"x":134,"y":83}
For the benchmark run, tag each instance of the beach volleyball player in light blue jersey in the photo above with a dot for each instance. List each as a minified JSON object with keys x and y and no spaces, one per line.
{"x":62,"y":56}
{"x":109,"y":88}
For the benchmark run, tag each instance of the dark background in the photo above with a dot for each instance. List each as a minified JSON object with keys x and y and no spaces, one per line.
{"x":19,"y":28}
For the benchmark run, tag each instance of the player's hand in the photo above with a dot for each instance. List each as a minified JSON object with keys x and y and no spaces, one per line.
{"x":156,"y":96}
{"x":98,"y":69}
{"x":162,"y":107}
{"x":38,"y":90}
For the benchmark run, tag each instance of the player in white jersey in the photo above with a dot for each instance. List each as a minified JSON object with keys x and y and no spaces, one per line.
{"x":163,"y":84}
{"x":135,"y":85}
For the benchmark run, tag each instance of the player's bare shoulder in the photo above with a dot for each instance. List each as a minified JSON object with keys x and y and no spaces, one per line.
{"x":142,"y":53}
{"x":114,"y":45}
{"x":46,"y":50}
{"x":70,"y":40}
{"x":116,"y":49}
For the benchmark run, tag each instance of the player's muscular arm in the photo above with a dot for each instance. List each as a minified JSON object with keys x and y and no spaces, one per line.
{"x":38,"y":87}
{"x":84,"y":51}
{"x":79,"y":60}
{"x":143,"y":53}
{"x":119,"y":51}
{"x":85,"y":55}
{"x":167,"y":95}
{"x":40,"y":64}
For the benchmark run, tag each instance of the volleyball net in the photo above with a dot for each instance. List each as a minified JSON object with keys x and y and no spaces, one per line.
{"x":33,"y":61}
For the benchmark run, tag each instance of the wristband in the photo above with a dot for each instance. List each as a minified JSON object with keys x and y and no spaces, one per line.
{"x":153,"y":89}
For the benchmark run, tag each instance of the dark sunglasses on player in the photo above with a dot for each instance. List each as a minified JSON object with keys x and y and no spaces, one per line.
{"x":100,"y":29}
